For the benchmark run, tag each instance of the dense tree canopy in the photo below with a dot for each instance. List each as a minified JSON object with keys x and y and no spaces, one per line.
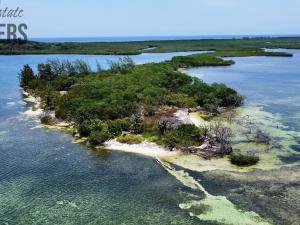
{"x":109,"y":102}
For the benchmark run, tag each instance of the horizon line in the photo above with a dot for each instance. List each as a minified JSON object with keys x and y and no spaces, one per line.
{"x":179,"y":35}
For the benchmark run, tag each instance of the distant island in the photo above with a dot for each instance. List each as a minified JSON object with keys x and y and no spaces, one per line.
{"x":223,"y":47}
{"x":150,"y":103}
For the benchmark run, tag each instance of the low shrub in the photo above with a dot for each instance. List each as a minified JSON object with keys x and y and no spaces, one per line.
{"x":48,"y":120}
{"x":99,"y":137}
{"x":183,"y":136}
{"x":86,"y":127}
{"x":116,"y":127}
{"x":130,"y":139}
{"x":243,"y":160}
{"x":181,"y":100}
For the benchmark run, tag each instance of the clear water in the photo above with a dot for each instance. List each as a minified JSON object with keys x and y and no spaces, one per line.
{"x":45,"y":178}
{"x":273,"y":82}
{"x":271,"y":86}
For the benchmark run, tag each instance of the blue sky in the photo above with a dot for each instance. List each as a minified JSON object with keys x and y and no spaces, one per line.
{"x":95,"y":18}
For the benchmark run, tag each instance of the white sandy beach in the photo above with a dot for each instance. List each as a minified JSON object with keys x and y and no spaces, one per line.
{"x":37,"y":102}
{"x":145,"y":148}
{"x":152,"y":149}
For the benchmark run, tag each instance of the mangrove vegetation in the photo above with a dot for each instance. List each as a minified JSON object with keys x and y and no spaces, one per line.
{"x":131,"y":102}
{"x":225,"y":47}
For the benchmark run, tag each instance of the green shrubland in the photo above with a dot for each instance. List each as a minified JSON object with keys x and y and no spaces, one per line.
{"x":225,"y":47}
{"x":243,"y":160}
{"x":107,"y":103}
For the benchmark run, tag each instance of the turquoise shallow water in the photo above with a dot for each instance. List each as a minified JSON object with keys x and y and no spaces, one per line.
{"x":47,"y":179}
{"x":272,"y":83}
{"x":271,"y":86}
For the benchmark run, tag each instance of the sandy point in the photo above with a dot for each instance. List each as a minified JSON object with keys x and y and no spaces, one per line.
{"x":144,"y":148}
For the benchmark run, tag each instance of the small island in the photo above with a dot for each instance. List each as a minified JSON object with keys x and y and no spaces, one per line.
{"x":152,"y":106}
{"x":134,"y":104}
{"x":221,"y":47}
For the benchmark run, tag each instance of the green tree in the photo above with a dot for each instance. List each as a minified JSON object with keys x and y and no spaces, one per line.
{"x":26,"y":75}
{"x":185,"y":135}
{"x":163,"y":126}
{"x":50,"y":98}
{"x":136,"y":124}
{"x":99,"y":137}
{"x":88,"y":126}
{"x":45,"y":72}
{"x":123,"y":65}
{"x":181,"y":100}
{"x":82,"y":67}
{"x":116,"y":127}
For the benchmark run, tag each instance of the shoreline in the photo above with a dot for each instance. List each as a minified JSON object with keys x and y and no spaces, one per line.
{"x":134,"y":47}
{"x":146,"y":148}
{"x":166,"y":158}
{"x":190,"y":161}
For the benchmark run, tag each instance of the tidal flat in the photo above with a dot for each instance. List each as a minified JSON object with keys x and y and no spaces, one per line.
{"x":271,"y":187}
